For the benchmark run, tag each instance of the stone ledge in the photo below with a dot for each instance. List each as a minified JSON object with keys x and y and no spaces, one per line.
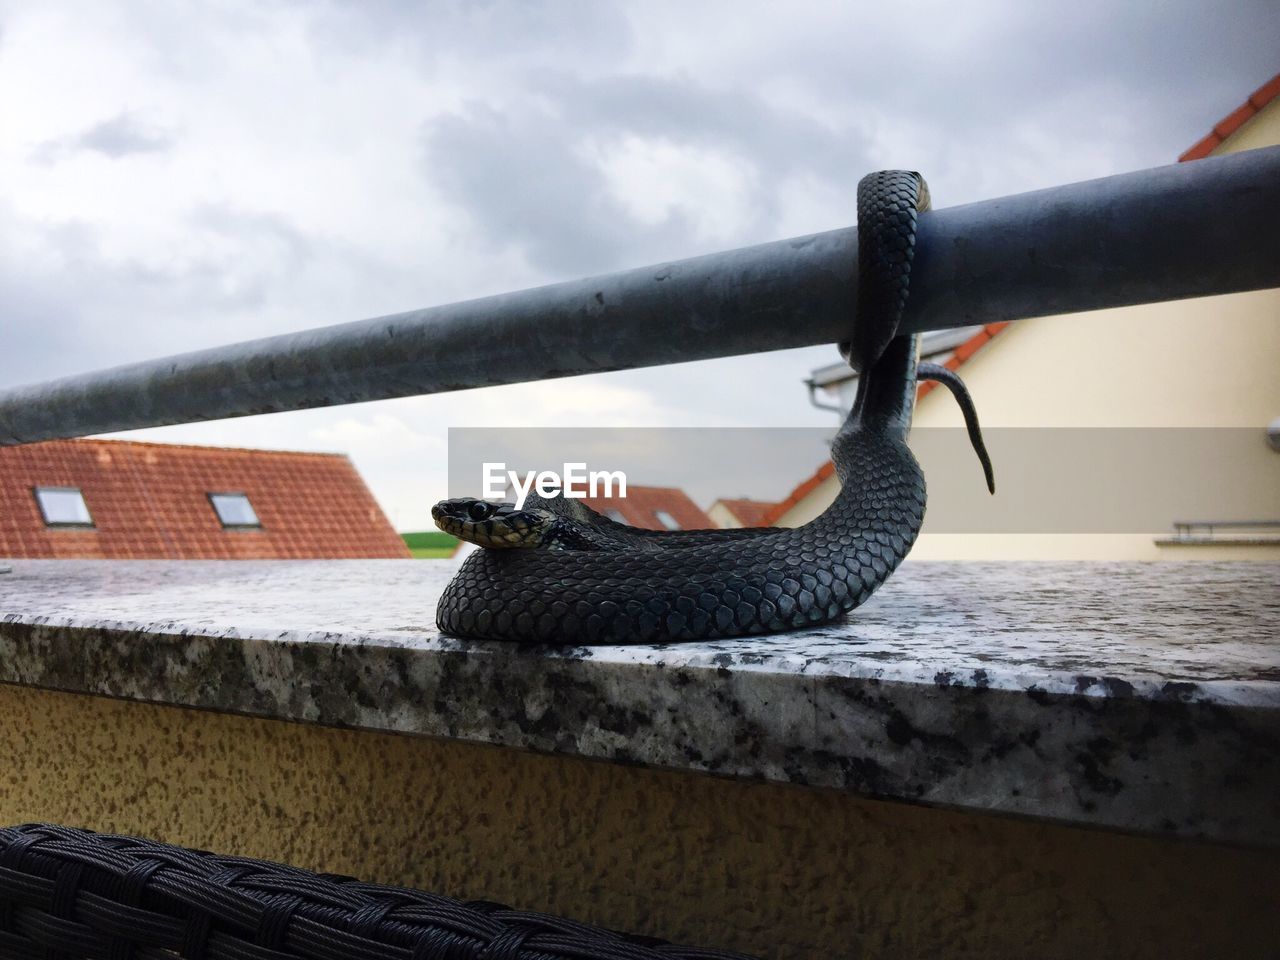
{"x":1142,"y":697}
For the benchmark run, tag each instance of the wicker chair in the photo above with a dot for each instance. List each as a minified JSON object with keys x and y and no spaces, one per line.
{"x":68,"y":893}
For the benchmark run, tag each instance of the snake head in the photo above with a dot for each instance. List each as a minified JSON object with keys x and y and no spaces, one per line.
{"x":492,"y":525}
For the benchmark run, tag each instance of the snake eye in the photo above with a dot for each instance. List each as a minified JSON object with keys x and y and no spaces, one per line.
{"x":479,"y":510}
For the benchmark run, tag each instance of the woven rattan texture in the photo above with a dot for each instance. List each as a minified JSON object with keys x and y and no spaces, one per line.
{"x":67,"y":893}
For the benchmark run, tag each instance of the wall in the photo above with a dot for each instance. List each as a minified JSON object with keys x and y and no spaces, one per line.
{"x":1209,"y":362}
{"x":1079,"y":370}
{"x":782,"y":871}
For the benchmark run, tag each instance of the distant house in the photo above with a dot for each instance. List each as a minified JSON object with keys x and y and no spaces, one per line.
{"x":730,"y":514}
{"x":115,"y":499}
{"x":1208,"y":362}
{"x":652,"y":508}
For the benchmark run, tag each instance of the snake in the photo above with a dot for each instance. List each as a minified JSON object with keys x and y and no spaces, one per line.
{"x":553,"y":571}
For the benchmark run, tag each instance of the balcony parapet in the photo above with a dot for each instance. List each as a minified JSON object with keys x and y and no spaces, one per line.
{"x":1139,"y":697}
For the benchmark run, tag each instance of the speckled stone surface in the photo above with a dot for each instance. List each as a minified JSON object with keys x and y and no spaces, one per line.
{"x":1142,"y":697}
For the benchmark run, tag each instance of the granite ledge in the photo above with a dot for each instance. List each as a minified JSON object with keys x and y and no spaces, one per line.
{"x":1140,"y":697}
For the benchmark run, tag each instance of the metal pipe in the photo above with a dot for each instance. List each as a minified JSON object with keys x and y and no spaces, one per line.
{"x":1187,"y":230}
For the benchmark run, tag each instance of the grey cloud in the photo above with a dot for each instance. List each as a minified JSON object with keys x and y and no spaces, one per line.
{"x":255,"y":227}
{"x":520,"y":174}
{"x":519,"y":177}
{"x":778,"y":142}
{"x":69,"y":305}
{"x":993,"y":99}
{"x":503,"y":34}
{"x":1138,"y":82}
{"x":123,"y":135}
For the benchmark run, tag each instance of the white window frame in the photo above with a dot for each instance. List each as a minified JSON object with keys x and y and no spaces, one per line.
{"x":85,"y":524}
{"x":213,"y":496}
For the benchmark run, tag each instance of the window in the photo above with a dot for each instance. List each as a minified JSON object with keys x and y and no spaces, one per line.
{"x":666,"y":519}
{"x":234,"y":510}
{"x":615,"y":515}
{"x":63,"y":507}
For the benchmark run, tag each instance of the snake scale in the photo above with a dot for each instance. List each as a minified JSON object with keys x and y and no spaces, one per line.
{"x":590,"y":580}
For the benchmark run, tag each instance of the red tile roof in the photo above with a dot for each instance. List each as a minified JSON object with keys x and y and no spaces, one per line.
{"x":1229,"y":125}
{"x":1236,"y":119}
{"x":750,"y":513}
{"x":150,"y":500}
{"x":641,"y":505}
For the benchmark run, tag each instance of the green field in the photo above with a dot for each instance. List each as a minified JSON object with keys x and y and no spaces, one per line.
{"x":429,"y":544}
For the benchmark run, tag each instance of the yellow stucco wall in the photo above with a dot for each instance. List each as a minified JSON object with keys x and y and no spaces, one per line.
{"x":785,"y":872}
{"x":1156,"y":365}
{"x":1209,"y":362}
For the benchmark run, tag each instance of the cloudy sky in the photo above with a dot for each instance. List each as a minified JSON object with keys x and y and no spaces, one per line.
{"x":179,"y":175}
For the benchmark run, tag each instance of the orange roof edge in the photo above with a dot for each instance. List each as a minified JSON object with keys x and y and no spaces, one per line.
{"x":1233,"y":121}
{"x":176,"y":445}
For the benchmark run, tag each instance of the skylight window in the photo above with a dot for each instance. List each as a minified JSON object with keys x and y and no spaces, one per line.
{"x":63,"y":507}
{"x":667,"y":520}
{"x":615,"y":515}
{"x":234,"y":510}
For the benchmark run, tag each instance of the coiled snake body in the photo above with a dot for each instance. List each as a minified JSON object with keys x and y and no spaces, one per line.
{"x":591,"y":580}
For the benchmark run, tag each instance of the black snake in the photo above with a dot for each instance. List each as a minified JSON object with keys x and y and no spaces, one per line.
{"x":591,"y":580}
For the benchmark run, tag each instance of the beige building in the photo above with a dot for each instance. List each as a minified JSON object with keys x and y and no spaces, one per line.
{"x":1212,"y":362}
{"x":731,"y":514}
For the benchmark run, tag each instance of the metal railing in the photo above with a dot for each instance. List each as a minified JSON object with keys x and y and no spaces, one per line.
{"x":1203,"y":531}
{"x":1187,"y":230}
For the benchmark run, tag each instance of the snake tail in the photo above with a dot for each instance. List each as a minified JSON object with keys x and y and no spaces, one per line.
{"x":950,"y":380}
